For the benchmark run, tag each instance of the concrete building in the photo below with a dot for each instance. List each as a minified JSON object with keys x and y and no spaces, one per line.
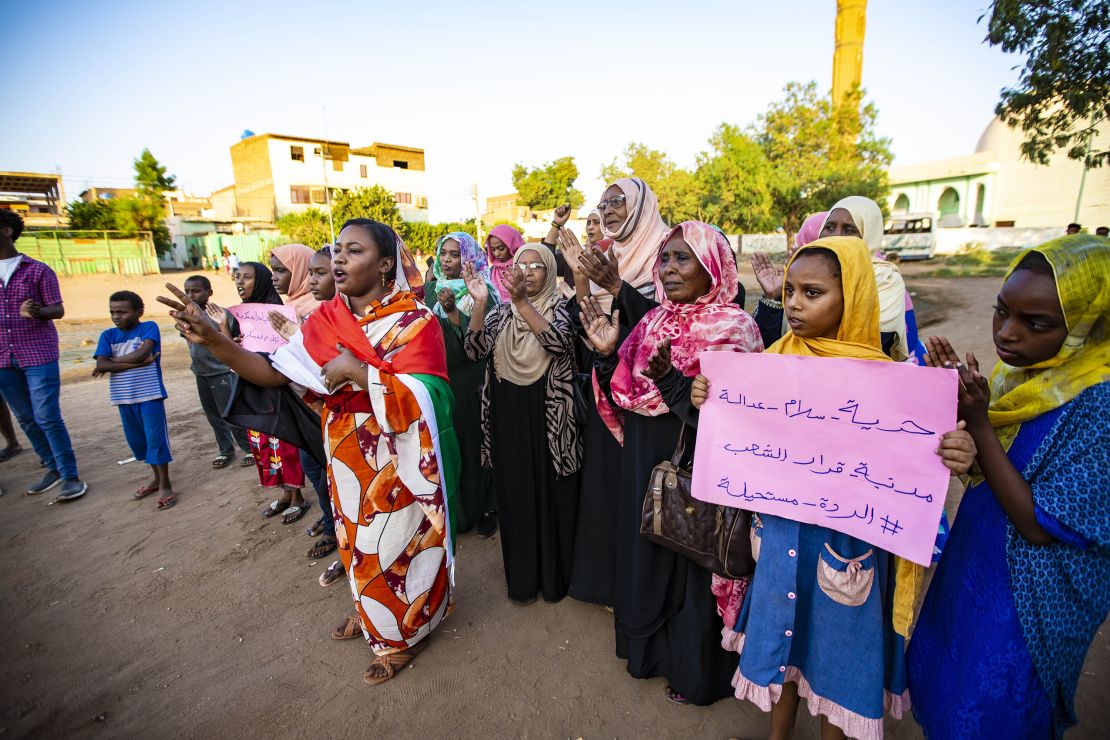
{"x":277,"y":174}
{"x":36,"y":196}
{"x":994,"y":186}
{"x":178,"y":203}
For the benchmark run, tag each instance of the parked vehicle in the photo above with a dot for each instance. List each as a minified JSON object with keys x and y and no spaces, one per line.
{"x":909,"y":236}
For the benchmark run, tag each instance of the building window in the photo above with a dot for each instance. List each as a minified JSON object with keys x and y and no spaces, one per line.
{"x":316,"y":151}
{"x":400,"y":164}
{"x":298,"y":194}
{"x":405,"y":198}
{"x":902,"y":203}
{"x":318,"y":195}
{"x":337,"y":165}
{"x":362,"y":171}
{"x":296,"y":153}
{"x":421,"y":201}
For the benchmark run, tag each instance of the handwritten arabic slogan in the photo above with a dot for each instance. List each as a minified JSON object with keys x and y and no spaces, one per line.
{"x":254,"y":323}
{"x":845,"y":444}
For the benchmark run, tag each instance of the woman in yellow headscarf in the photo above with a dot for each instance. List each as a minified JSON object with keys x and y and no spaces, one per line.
{"x":1022,"y":586}
{"x":837,"y":641}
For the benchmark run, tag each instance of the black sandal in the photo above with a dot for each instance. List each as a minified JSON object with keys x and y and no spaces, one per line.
{"x":289,"y":517}
{"x":247,"y":461}
{"x":323,"y":546}
{"x":316,"y":529}
{"x":221,"y":462}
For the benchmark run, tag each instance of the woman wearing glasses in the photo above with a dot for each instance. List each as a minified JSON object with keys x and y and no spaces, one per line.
{"x":529,"y":435}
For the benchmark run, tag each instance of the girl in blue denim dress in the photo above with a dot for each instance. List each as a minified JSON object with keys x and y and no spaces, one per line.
{"x":818,"y":620}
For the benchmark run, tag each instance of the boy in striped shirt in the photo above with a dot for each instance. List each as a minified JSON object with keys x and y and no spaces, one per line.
{"x":130,"y":354}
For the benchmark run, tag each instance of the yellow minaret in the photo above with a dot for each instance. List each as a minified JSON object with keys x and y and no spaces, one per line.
{"x":851,"y":22}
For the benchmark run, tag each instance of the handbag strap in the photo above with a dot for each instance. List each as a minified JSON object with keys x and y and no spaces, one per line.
{"x":680,"y":448}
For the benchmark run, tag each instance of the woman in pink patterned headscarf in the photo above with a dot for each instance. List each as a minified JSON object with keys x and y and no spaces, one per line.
{"x":665,"y":612}
{"x":502,"y":244}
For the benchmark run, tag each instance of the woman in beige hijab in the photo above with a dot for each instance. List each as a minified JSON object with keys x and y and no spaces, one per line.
{"x":530,"y":436}
{"x":862,"y":217}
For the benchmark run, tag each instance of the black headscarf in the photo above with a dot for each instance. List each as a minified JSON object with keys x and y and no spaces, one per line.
{"x":264,"y":290}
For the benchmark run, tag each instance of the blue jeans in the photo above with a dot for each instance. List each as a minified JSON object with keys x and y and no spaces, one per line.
{"x":319,"y":479}
{"x":33,"y":393}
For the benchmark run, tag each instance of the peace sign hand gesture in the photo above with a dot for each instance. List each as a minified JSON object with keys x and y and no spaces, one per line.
{"x":189,"y":319}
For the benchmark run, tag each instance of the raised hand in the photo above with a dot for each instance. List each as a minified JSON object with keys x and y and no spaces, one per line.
{"x":975,"y":392}
{"x":475,"y":285}
{"x":513,"y":280}
{"x":189,"y":319}
{"x":571,"y":249}
{"x":603,"y":331}
{"x":217,"y":314}
{"x":769,"y":275}
{"x":282,"y":325}
{"x":341,"y":369}
{"x":699,"y":391}
{"x":602,"y":269}
{"x":659,"y":364}
{"x":562,"y":213}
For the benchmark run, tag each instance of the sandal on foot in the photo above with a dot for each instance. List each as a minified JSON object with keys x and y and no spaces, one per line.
{"x":334,"y":572}
{"x":144,"y":492}
{"x":386,"y":667}
{"x":316,"y":529}
{"x":221,"y":462}
{"x":323,"y":546}
{"x":294,"y":513}
{"x":673,"y":696}
{"x":166,"y":502}
{"x":247,"y":461}
{"x":275,"y":508}
{"x":349,"y":630}
{"x":9,"y":452}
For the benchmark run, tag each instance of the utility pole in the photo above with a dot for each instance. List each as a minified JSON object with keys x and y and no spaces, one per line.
{"x":1083,"y":177}
{"x":477,"y":212}
{"x":327,"y":192}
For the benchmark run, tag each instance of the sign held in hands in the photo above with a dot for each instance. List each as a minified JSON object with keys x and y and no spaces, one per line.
{"x":254,"y":323}
{"x":845,"y":444}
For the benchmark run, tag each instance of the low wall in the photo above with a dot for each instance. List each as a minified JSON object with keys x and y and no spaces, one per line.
{"x":89,"y":256}
{"x":949,"y":240}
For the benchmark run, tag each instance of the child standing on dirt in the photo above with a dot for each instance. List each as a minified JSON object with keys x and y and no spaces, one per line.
{"x":129,"y":353}
{"x":215,"y":382}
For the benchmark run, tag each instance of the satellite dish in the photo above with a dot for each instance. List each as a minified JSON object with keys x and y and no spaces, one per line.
{"x":247,"y":133}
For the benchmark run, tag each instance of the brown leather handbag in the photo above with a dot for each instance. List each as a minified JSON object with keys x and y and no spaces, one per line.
{"x":715,"y":537}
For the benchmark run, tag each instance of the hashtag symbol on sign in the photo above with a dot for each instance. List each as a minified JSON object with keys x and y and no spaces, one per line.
{"x":889,"y":527}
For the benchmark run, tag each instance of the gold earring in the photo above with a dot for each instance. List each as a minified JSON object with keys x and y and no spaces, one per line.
{"x":384,"y":283}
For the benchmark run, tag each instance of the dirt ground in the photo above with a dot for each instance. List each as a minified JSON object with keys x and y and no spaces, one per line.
{"x":208,"y":621}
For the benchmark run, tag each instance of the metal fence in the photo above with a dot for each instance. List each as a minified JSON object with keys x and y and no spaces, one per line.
{"x":91,"y":252}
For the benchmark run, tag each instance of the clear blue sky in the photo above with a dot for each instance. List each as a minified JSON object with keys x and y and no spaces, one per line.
{"x":91,"y":84}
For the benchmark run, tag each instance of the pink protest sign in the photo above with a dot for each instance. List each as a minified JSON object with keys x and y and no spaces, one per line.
{"x":254,"y":323}
{"x":845,"y":444}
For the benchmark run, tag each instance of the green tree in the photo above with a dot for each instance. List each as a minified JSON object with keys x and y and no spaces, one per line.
{"x":676,"y":188}
{"x":421,"y":238}
{"x":373,"y":202}
{"x":146,"y":210}
{"x":817,"y":154}
{"x":97,"y":214}
{"x":309,"y":227}
{"x":150,"y":176}
{"x":549,"y":185}
{"x":1063,"y":91}
{"x":732,"y":179}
